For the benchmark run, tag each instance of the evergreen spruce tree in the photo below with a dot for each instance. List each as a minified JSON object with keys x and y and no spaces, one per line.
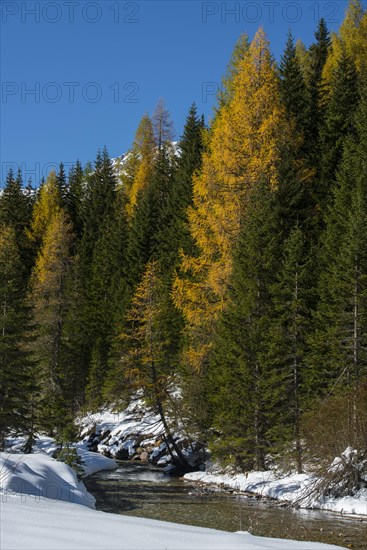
{"x":337,"y":355}
{"x":339,"y":122}
{"x":287,"y":341}
{"x":174,"y":235}
{"x":318,"y":54}
{"x":47,"y":343}
{"x":15,"y":212}
{"x":293,"y":88}
{"x":159,"y":194}
{"x":242,"y":389}
{"x":74,"y":198}
{"x":61,"y":182}
{"x":101,"y":258}
{"x":15,"y":382}
{"x":106,"y":297}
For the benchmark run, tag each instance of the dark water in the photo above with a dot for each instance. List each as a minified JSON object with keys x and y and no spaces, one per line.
{"x":144,"y":491}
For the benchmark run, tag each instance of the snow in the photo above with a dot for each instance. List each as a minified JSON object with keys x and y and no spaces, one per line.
{"x":43,"y":506}
{"x":90,"y":462}
{"x":125,"y":429}
{"x":284,"y":488}
{"x":94,"y":462}
{"x":42,"y":477}
{"x":41,"y":526}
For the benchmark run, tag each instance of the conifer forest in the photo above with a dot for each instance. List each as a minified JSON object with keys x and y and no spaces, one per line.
{"x":222,"y":276}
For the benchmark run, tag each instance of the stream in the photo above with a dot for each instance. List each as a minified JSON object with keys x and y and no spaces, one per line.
{"x":142,"y":490}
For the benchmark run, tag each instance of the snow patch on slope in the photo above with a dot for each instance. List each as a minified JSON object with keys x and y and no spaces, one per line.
{"x":41,"y":477}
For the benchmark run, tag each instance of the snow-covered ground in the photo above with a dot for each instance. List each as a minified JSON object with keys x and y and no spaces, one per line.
{"x":287,"y":488}
{"x":90,"y":462}
{"x":44,"y":506}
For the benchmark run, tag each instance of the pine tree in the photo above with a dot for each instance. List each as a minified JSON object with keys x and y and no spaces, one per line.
{"x":243,"y":392}
{"x":47,"y":299}
{"x":294,"y":199}
{"x":287,"y":341}
{"x":293,"y":87}
{"x":318,"y":54}
{"x":339,"y":122}
{"x":337,"y":357}
{"x":15,"y":212}
{"x":174,"y":235}
{"x":14,"y":365}
{"x":61,"y":183}
{"x":98,"y":210}
{"x":74,"y":198}
{"x":101,"y":262}
{"x":106,"y":296}
{"x":159,"y":195}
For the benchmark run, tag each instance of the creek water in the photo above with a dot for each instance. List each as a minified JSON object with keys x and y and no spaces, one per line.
{"x":142,"y":490}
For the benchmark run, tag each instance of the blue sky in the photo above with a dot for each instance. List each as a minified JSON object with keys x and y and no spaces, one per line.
{"x":77,"y":75}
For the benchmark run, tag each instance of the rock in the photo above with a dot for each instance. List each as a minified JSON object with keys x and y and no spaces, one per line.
{"x":105,"y":436}
{"x":93,"y":447}
{"x":122,"y":454}
{"x":144,"y":456}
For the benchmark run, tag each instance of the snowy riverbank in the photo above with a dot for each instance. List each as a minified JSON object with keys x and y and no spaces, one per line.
{"x":43,"y":506}
{"x":283,"y":488}
{"x":136,"y":433}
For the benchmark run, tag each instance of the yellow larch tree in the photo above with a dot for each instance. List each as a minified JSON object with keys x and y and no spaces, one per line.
{"x":245,"y":139}
{"x":351,"y":38}
{"x":47,"y":205}
{"x":48,"y":302}
{"x":139,"y":163}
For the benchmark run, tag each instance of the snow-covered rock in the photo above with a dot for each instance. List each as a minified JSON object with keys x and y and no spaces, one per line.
{"x":136,"y":433}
